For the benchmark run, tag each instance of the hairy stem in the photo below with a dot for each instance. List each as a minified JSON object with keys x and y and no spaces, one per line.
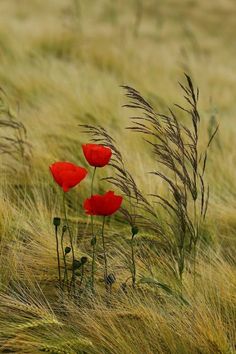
{"x":133,"y":262}
{"x":94,"y":171}
{"x":58,"y":255}
{"x":93,"y":239}
{"x":104,"y":254}
{"x":82,"y":274}
{"x":71,"y":242}
{"x":65,"y":278}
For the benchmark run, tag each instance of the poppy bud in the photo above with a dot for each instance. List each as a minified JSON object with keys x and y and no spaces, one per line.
{"x":64,"y":229}
{"x":67,"y":249}
{"x":134,"y":230}
{"x":83,"y":260}
{"x":56,"y":221}
{"x":76,"y":264}
{"x":110,"y":279}
{"x":93,"y":241}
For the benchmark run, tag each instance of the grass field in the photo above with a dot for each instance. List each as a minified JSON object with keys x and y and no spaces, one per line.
{"x":62,"y":64}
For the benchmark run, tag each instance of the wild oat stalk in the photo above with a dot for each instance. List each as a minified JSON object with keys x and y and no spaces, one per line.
{"x":139,"y":205}
{"x":180,"y":164}
{"x":14,"y":141}
{"x":140,"y":212}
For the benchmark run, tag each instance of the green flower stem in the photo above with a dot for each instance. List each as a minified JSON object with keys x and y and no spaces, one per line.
{"x":65,"y":278}
{"x":71,"y":242}
{"x":94,"y":171}
{"x":82,"y":274}
{"x":58,"y":255}
{"x":93,"y":238}
{"x":93,"y":263}
{"x":133,"y":262}
{"x":104,"y":254}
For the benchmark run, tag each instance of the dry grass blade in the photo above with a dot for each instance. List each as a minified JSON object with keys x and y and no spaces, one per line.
{"x":14,"y":143}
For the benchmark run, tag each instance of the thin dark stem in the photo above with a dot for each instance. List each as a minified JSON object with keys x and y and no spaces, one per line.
{"x":104,"y":253}
{"x":65,"y":278}
{"x":71,"y":241}
{"x":181,"y":267}
{"x":194,"y":263}
{"x":58,"y":255}
{"x":133,"y":262}
{"x":195,"y":243}
{"x":82,"y":274}
{"x":93,"y":264}
{"x":93,"y":238}
{"x":94,"y":171}
{"x":181,"y":284}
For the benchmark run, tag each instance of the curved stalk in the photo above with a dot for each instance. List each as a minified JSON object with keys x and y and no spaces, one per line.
{"x":82,"y":274}
{"x":71,"y":242}
{"x":133,"y":262}
{"x":195,"y":243}
{"x":93,"y":238}
{"x":65,"y":278}
{"x":58,"y":255}
{"x":104,"y":253}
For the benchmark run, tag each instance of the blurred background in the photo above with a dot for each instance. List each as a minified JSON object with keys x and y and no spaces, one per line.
{"x":62,"y":63}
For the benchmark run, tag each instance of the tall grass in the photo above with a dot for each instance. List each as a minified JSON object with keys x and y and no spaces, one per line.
{"x":65,"y":69}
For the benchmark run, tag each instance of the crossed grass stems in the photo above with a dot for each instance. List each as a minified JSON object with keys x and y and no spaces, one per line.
{"x":14,"y":142}
{"x":181,"y":165}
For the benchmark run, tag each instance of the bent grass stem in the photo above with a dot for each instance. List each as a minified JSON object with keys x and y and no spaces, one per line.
{"x":196,"y":236}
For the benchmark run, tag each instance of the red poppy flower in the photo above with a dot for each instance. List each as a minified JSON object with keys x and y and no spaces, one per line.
{"x":97,"y":155}
{"x":67,"y":175}
{"x":105,"y":204}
